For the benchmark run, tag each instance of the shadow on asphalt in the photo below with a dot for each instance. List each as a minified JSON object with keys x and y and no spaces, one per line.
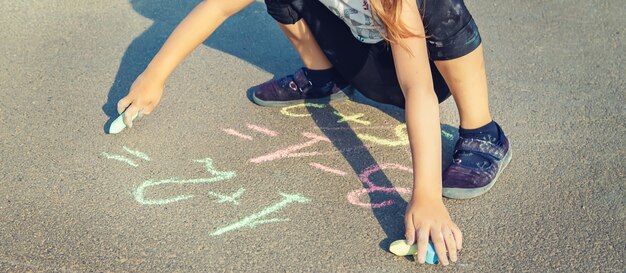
{"x":234,"y":36}
{"x":390,"y":218}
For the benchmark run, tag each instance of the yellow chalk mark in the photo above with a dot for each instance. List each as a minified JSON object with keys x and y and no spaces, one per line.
{"x":353,"y":118}
{"x":285,"y":110}
{"x":403,"y":137}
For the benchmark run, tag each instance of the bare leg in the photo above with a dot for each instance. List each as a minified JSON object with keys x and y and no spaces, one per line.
{"x":467,"y":80}
{"x":302,"y":39}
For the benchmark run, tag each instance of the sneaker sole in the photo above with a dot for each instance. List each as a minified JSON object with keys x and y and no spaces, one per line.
{"x":339,"y":96}
{"x":461,"y":193}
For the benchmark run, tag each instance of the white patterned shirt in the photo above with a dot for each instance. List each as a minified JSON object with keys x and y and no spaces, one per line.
{"x":358,"y":16}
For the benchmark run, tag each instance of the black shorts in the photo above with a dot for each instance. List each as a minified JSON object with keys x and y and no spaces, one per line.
{"x":369,"y":67}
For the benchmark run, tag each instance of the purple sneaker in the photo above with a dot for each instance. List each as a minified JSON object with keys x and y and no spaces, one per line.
{"x":296,"y":89}
{"x":463,"y":182}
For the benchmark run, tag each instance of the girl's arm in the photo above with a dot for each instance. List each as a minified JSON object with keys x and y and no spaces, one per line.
{"x":146,"y":91}
{"x":426,"y":214}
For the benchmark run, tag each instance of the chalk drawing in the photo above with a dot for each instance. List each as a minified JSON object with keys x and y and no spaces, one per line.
{"x":290,"y":152}
{"x":403,"y":137}
{"x":327,"y":169}
{"x":120,"y":158}
{"x":353,"y":128}
{"x":228,"y":198}
{"x":137,"y":153}
{"x":218,"y":176}
{"x":234,"y":132}
{"x":126,"y":159}
{"x":252,"y":220}
{"x":262,"y":130}
{"x":286,"y":110}
{"x":353,"y":118}
{"x":354,"y":197}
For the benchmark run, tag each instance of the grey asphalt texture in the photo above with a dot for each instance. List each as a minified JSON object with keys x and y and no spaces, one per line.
{"x":556,"y":75}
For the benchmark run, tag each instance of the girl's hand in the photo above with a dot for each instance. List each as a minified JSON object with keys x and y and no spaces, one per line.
{"x":430,"y":218}
{"x":144,"y":96}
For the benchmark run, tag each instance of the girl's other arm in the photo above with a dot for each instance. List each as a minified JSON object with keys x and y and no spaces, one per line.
{"x":426,"y":214}
{"x":146,"y":91}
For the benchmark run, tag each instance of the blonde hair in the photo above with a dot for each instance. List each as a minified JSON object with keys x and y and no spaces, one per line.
{"x":389,"y":11}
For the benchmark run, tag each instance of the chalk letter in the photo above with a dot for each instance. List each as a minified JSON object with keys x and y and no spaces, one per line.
{"x":228,"y":198}
{"x":208,"y":163}
{"x":285,"y":111}
{"x":289,"y":151}
{"x":252,"y":220}
{"x":353,"y":118}
{"x":403,"y":137}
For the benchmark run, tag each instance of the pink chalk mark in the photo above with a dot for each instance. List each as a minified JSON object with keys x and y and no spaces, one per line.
{"x":262,"y":130}
{"x":327,"y":169}
{"x":354,"y":197}
{"x":289,"y":152}
{"x":237,"y":134}
{"x":349,"y":128}
{"x":314,"y":136}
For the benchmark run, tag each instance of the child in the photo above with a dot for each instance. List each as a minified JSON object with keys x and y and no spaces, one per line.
{"x":412,"y":54}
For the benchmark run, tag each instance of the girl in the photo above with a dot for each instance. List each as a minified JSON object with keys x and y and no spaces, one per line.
{"x":412,"y":54}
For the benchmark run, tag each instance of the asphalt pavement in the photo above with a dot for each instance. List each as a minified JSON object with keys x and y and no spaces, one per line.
{"x":211,"y":182}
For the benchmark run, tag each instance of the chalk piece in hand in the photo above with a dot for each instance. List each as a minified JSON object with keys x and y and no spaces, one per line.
{"x":400,"y":248}
{"x":118,"y":124}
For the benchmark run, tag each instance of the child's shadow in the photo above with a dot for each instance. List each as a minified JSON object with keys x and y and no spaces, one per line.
{"x":253,"y":36}
{"x":345,"y":139}
{"x":250,"y":35}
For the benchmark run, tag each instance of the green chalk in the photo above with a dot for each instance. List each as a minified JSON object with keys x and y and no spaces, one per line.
{"x":400,"y":248}
{"x":118,"y":124}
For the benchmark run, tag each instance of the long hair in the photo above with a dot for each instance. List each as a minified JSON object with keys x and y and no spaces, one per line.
{"x":388,"y":11}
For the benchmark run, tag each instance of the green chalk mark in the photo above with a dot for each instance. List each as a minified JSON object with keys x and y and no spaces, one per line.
{"x":447,"y":135}
{"x":137,"y":153}
{"x":139,"y":193}
{"x":120,"y":158}
{"x":353,"y":118}
{"x":228,"y":198}
{"x":252,"y":221}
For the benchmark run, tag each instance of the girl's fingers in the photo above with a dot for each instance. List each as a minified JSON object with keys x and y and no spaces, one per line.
{"x":450,"y":243}
{"x":422,"y":244}
{"x":409,"y":233}
{"x":440,"y":246}
{"x":122,"y":104}
{"x":458,"y":236}
{"x":131,"y":112}
{"x":146,"y":110}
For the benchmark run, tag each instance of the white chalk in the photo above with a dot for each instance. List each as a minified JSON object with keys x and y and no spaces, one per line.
{"x":118,"y":124}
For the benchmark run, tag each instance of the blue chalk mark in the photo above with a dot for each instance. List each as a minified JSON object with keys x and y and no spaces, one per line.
{"x":120,"y":158}
{"x":218,"y":176}
{"x":228,"y":198}
{"x":137,"y":153}
{"x":252,"y":221}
